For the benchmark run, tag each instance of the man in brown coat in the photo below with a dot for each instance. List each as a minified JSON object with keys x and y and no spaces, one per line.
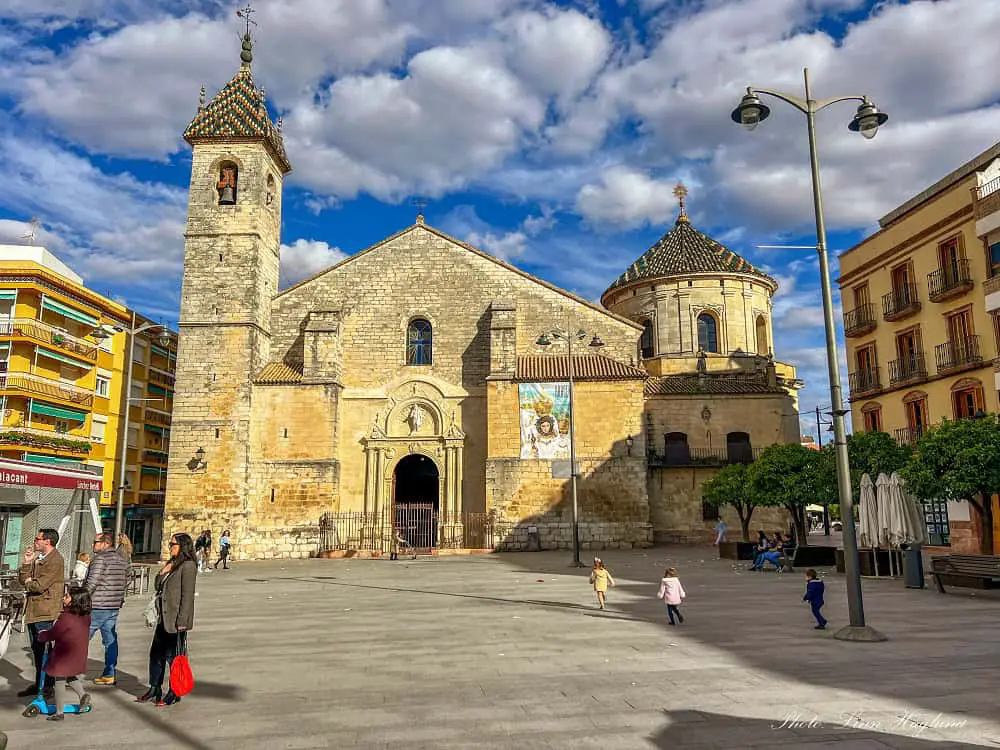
{"x":43,"y":577}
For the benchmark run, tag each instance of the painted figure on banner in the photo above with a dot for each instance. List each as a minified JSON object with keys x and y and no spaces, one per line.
{"x":544,"y":420}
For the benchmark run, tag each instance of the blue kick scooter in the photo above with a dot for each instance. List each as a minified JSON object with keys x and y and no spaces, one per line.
{"x":41,"y":706}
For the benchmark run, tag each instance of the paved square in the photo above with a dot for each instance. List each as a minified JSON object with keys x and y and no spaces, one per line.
{"x":509,"y":651}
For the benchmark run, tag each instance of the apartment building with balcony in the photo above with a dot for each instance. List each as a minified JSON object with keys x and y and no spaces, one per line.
{"x":62,"y":389}
{"x":921,"y":335}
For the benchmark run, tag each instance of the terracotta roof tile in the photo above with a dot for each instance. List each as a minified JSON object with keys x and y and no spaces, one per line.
{"x":541,"y":368}
{"x":277,"y":373}
{"x":685,"y":250}
{"x":693,"y":385}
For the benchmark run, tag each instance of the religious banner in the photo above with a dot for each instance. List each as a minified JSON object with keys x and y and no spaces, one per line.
{"x":545,"y":427}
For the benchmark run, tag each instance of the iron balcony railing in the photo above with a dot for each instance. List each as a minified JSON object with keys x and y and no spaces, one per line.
{"x":860,"y":320}
{"x":154,"y":457}
{"x":33,"y":437}
{"x":949,"y":281}
{"x":864,"y":381}
{"x":909,"y":435}
{"x":987,"y":198}
{"x":957,"y":354}
{"x":39,"y":386}
{"x":682,"y":456}
{"x":47,"y":334}
{"x":161,"y":377}
{"x":900,"y":302}
{"x":907,"y":369}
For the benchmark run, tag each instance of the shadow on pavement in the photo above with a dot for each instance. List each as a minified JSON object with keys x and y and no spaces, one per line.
{"x":702,"y":729}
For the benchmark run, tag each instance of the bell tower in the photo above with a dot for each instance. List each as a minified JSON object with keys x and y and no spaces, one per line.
{"x":231,"y":247}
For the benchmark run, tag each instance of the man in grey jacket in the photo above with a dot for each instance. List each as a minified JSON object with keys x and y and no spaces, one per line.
{"x":106,"y":581}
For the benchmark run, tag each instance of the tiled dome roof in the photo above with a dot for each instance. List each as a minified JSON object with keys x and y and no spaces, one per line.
{"x":684,"y":250}
{"x":238,"y":111}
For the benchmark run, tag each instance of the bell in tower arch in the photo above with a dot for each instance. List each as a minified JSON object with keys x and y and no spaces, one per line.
{"x":227,"y":185}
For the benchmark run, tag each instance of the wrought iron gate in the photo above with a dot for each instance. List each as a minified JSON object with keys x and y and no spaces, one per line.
{"x":420,"y":524}
{"x":417,"y":523}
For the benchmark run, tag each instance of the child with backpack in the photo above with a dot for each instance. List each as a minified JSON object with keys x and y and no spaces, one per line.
{"x":672,"y":593}
{"x":814,"y":595}
{"x":67,"y":659}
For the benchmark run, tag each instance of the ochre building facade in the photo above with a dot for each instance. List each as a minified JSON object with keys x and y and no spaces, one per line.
{"x":413,"y":378}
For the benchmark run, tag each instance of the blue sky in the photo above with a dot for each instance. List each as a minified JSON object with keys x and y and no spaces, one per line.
{"x":549,"y":133}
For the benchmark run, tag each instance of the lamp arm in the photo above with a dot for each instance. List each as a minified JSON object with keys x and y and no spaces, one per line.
{"x":800,"y":104}
{"x":824,"y":103}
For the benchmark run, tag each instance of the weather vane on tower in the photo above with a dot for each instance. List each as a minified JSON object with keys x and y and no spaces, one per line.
{"x":680,"y":192}
{"x":247,"y":14}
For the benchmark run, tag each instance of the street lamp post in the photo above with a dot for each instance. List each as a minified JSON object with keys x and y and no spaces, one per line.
{"x":750,"y":113}
{"x":100,"y":334}
{"x":545,"y":340}
{"x":820,"y":424}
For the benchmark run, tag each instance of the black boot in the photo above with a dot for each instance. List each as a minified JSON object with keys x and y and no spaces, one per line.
{"x":150,"y":696}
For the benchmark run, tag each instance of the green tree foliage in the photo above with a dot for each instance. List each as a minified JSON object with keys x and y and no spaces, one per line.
{"x":960,"y":460}
{"x":791,"y":477}
{"x":732,"y":487}
{"x":874,"y":453}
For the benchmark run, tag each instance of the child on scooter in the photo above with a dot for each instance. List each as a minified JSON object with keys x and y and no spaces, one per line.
{"x":67,"y":659}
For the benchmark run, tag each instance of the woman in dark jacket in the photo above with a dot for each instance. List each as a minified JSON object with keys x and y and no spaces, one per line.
{"x":175,"y":608}
{"x":69,"y":636}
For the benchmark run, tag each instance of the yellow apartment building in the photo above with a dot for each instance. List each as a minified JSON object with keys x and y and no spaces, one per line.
{"x":62,"y":389}
{"x":921,"y":302}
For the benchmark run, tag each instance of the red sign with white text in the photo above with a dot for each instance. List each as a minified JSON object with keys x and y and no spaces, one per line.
{"x":13,"y":475}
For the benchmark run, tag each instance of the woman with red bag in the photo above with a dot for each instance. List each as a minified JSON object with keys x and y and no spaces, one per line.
{"x":175,"y":609}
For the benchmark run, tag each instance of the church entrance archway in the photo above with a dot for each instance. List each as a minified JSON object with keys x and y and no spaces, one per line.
{"x":416,"y":501}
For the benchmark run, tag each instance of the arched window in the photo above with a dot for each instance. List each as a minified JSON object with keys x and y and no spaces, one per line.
{"x":228,"y":183}
{"x":872,"y":415}
{"x":708,"y":332}
{"x":418,"y":342}
{"x":762,"y":345}
{"x":738,"y":448}
{"x":646,"y":345}
{"x":967,"y":398}
{"x":270,"y":190}
{"x":677,"y":452}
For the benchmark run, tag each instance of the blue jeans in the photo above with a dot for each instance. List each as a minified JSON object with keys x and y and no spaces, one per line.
{"x":816,"y":607}
{"x":106,"y":620}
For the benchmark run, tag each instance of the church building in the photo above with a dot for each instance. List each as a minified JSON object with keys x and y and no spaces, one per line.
{"x":425,"y":388}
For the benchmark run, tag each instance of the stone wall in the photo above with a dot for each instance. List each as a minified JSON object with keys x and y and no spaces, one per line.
{"x":613,"y":510}
{"x":675,"y":509}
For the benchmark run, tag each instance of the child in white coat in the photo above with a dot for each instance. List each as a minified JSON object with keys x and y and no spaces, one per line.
{"x":671,"y":592}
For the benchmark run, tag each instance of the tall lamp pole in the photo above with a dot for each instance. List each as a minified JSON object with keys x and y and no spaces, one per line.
{"x":819,"y":437}
{"x":546,"y":340}
{"x":750,"y":113}
{"x":100,"y":334}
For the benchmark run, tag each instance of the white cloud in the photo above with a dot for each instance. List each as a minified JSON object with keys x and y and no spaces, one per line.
{"x":628,"y":198}
{"x":305,"y":258}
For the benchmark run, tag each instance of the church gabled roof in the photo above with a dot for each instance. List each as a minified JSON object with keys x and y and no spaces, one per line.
{"x":685,"y":250}
{"x":238,"y":111}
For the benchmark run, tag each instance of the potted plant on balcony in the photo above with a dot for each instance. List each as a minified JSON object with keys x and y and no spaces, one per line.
{"x":58,"y":339}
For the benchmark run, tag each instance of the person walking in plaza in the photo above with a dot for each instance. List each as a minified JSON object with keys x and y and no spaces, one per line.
{"x":68,"y":655}
{"x":201,"y":550}
{"x":80,"y":568}
{"x":672,"y":593}
{"x":175,"y":584}
{"x":720,"y":532}
{"x":43,"y":577}
{"x":106,"y":582}
{"x":601,"y":579}
{"x":814,"y":595}
{"x":224,"y":546}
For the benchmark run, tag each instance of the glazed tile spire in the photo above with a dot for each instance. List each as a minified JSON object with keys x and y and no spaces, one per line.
{"x":239,"y":112}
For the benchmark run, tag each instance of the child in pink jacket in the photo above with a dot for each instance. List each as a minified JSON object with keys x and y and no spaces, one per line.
{"x":671,"y":592}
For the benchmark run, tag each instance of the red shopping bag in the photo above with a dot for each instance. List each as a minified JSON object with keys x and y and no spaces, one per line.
{"x":181,"y":676}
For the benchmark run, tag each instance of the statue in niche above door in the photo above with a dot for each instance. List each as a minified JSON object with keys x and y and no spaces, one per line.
{"x":415,"y":419}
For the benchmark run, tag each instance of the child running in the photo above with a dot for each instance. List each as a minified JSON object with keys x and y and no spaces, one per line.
{"x":601,"y":579}
{"x":67,"y":659}
{"x":814,"y":595}
{"x":671,"y":592}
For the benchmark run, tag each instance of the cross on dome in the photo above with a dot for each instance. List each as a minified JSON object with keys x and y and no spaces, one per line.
{"x":680,"y":192}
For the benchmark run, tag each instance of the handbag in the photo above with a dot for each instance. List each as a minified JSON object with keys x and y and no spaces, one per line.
{"x":181,"y":676}
{"x":150,"y":614}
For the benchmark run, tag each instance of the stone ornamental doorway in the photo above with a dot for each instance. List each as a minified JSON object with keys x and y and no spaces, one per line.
{"x":416,"y":501}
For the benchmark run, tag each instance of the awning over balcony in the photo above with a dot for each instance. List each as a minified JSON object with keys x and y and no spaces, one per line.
{"x":69,"y":312}
{"x":160,"y":391}
{"x":154,"y":429}
{"x":8,"y":294}
{"x":59,"y":412}
{"x":38,"y":458}
{"x":63,"y":358}
{"x":154,"y":471}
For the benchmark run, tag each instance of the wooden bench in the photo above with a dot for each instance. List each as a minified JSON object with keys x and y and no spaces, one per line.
{"x":966,"y":571}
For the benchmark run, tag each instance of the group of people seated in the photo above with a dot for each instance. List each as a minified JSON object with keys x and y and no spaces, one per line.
{"x":776,"y":550}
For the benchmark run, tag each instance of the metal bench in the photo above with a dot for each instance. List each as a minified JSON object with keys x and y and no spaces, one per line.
{"x":966,"y":571}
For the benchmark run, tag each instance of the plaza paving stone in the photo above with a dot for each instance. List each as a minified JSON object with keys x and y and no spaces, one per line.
{"x":509,"y":651}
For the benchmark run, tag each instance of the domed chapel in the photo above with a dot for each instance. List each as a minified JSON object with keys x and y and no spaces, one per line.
{"x":383,"y":396}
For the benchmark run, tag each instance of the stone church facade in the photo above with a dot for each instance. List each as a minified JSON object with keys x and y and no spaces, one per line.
{"x":410,"y":375}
